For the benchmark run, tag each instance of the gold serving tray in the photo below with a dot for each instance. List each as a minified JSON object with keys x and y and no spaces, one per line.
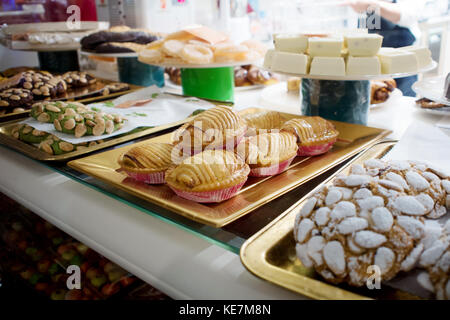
{"x":77,"y":94}
{"x":270,"y":253}
{"x":255,"y":193}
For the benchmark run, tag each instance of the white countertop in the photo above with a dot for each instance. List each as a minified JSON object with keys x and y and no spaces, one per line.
{"x":180,"y":264}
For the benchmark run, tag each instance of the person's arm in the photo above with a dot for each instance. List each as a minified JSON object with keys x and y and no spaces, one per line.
{"x":389,"y":11}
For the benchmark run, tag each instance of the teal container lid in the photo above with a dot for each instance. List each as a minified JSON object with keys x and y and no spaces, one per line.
{"x":135,"y":72}
{"x":209,"y":83}
{"x":346,"y":101}
{"x":58,"y":61}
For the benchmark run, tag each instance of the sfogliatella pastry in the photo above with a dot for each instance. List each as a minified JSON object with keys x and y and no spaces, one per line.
{"x":315,"y":135}
{"x":148,"y":162}
{"x":216,"y":128}
{"x":265,"y":121}
{"x":268,"y":154}
{"x":209,"y":176}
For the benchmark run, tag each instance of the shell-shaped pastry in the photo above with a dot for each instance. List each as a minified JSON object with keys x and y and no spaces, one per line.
{"x":311,"y":130}
{"x":208,"y":171}
{"x":268,"y":149}
{"x":264,"y":121}
{"x":151,"y":157}
{"x":213,"y":128}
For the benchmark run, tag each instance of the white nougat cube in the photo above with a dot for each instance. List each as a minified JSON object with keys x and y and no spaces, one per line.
{"x":290,"y":62}
{"x":291,"y":43}
{"x":328,"y":66}
{"x":325,"y":47}
{"x":423,"y":54}
{"x":268,"y":58}
{"x":363,"y":45}
{"x":398,"y":61}
{"x":359,"y":66}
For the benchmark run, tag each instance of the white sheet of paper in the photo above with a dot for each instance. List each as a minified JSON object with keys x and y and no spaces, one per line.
{"x":163,"y":109}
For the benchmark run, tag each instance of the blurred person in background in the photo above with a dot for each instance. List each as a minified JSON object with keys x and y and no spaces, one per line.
{"x":398,"y":25}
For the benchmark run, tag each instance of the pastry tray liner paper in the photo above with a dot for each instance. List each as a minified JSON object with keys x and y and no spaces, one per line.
{"x":255,"y":193}
{"x":162,"y":108}
{"x":270,"y":254}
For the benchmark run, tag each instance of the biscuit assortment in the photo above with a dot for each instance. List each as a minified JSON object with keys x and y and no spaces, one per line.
{"x":376,"y":215}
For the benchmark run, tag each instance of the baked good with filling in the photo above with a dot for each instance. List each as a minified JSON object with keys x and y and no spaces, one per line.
{"x":264,"y":121}
{"x":216,"y":128}
{"x":209,"y":176}
{"x":147,"y":162}
{"x":315,"y":135}
{"x":268,"y":154}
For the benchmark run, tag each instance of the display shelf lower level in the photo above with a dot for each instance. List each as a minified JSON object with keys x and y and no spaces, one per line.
{"x":180,"y":264}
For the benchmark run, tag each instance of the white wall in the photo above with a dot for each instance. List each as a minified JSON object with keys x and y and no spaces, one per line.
{"x":10,"y":58}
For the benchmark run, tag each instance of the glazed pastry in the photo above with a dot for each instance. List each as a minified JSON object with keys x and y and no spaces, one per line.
{"x":265,"y":121}
{"x":429,"y":104}
{"x":77,"y":79}
{"x":372,"y":216}
{"x":28,"y":134}
{"x":268,"y":154}
{"x":88,"y":123}
{"x":115,"y":87}
{"x":209,"y":176}
{"x":15,"y":97}
{"x":148,"y":162}
{"x":258,"y":76}
{"x":379,"y":92}
{"x":216,"y":128}
{"x":240,"y":77}
{"x":47,"y":112}
{"x":315,"y":135}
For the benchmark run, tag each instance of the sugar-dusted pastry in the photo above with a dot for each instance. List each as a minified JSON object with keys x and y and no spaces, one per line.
{"x":264,"y":121}
{"x":368,"y":217}
{"x":147,"y":162}
{"x":315,"y":135}
{"x":436,"y":260}
{"x":268,"y":154}
{"x":209,"y":176}
{"x":216,"y":128}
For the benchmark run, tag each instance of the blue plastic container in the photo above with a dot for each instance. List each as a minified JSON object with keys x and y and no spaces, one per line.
{"x":138,"y":73}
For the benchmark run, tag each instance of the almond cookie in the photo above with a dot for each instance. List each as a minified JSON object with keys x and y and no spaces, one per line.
{"x":47,"y":112}
{"x":15,"y":97}
{"x":42,"y":85}
{"x":78,"y":79}
{"x":436,"y":260}
{"x":363,"y":219}
{"x":28,"y":134}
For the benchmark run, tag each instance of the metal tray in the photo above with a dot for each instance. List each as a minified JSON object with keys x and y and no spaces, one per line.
{"x":270,"y":253}
{"x":255,"y":193}
{"x":83,"y":95}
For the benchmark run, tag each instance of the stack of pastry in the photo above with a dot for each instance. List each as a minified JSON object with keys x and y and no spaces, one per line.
{"x":199,"y":45}
{"x":211,"y":156}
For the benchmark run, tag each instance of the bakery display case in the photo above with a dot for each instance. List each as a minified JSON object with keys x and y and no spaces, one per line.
{"x":237,"y":156}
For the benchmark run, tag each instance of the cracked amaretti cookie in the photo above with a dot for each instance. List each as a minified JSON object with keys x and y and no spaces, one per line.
{"x":375,"y":215}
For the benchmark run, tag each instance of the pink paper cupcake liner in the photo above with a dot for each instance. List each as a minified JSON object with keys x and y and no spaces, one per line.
{"x":272,"y":170}
{"x":314,"y":150}
{"x":209,"y":196}
{"x":150,"y":178}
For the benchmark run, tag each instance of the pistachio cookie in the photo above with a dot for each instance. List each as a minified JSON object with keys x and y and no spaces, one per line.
{"x":28,"y":134}
{"x":89,"y":123}
{"x":364,"y":218}
{"x":47,"y":112}
{"x":15,"y":97}
{"x":55,"y":146}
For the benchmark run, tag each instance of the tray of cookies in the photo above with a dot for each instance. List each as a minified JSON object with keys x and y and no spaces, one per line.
{"x":371,"y":225}
{"x":223,"y":164}
{"x":20,"y":91}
